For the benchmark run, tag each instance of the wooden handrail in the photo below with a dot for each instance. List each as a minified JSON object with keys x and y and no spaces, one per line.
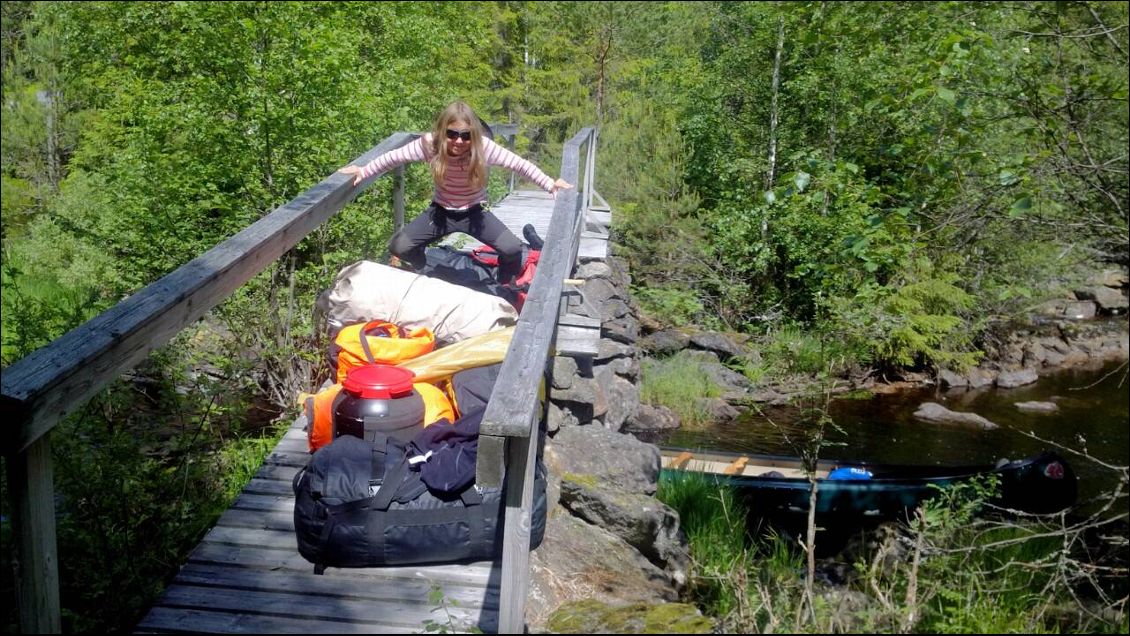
{"x":508,"y":435}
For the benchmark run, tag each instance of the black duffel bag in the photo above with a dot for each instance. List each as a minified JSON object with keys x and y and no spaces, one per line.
{"x":361,"y":505}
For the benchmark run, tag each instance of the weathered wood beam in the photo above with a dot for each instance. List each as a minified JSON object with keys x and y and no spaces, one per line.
{"x":515,"y":396}
{"x":36,"y":574}
{"x":521,"y":460}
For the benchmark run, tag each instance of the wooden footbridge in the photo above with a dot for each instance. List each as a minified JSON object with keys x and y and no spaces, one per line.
{"x":246,"y":575}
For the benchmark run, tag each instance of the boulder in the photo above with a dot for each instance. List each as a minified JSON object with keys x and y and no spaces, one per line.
{"x":594,"y":269}
{"x":625,"y":329}
{"x":717,"y":409}
{"x":625,"y":367}
{"x":623,"y":401}
{"x":564,"y":370}
{"x":559,"y":417}
{"x":650,"y":418}
{"x":644,"y":522}
{"x":934,"y":412}
{"x":580,"y":561}
{"x":981,"y":377}
{"x":1079,"y":310}
{"x":609,"y":350}
{"x":1107,"y":299}
{"x":1037,"y":407}
{"x":665,"y":342}
{"x":612,"y":458}
{"x":598,"y":291}
{"x":1013,"y":379}
{"x":584,"y":396}
{"x":591,"y":616}
{"x":719,"y":343}
{"x":1116,"y":278}
{"x":951,"y":379}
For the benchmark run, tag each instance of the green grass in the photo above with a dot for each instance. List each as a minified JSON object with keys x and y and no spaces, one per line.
{"x":678,"y":383}
{"x":974,"y":574}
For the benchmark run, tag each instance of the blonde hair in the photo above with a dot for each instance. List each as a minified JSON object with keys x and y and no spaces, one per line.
{"x":458,"y":111}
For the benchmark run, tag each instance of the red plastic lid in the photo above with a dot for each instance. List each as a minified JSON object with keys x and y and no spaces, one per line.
{"x":379,"y":381}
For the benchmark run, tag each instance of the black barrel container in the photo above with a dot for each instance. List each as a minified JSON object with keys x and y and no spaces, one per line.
{"x":379,"y":398}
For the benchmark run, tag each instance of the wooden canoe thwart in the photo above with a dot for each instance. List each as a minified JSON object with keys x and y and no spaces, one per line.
{"x":715,"y":464}
{"x":1043,"y":483}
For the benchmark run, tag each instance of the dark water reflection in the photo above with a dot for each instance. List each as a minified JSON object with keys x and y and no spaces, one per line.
{"x":1094,"y":415}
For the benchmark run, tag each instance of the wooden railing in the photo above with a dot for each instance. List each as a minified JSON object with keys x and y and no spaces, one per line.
{"x":508,"y":437}
{"x":41,"y":389}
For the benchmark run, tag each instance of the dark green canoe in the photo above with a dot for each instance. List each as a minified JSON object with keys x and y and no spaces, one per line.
{"x":1044,"y":483}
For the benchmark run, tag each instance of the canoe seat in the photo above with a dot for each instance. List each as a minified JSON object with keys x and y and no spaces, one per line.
{"x":736,"y":467}
{"x":681,"y":460}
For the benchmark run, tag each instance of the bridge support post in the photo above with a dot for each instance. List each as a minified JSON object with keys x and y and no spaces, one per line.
{"x":36,"y":567}
{"x":521,"y":458}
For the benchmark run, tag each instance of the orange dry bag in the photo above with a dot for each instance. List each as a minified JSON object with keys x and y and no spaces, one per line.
{"x":379,"y":342}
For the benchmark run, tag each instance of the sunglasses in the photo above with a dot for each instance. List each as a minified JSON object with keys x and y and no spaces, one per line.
{"x":465,"y":135}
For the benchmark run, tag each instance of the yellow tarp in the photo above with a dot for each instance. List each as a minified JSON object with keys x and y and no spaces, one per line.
{"x":476,"y":351}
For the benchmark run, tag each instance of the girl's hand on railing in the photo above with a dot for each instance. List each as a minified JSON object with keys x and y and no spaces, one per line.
{"x":356,"y":172}
{"x":560,"y":184}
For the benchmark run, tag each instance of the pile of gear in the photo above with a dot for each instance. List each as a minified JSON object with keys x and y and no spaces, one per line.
{"x":394,"y":432}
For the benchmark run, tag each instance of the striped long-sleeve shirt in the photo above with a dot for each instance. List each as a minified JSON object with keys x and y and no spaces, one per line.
{"x":456,"y":192}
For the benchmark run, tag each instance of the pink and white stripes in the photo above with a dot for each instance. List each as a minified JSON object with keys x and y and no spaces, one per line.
{"x":456,"y":192}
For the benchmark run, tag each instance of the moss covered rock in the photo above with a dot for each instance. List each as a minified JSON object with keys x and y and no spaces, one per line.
{"x":593,"y":617}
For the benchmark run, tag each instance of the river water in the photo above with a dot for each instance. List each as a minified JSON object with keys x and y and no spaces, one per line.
{"x":1093,"y":416}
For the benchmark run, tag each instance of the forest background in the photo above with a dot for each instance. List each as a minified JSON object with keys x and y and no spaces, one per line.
{"x":901,"y":175}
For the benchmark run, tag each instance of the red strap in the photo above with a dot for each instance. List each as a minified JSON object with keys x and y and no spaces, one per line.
{"x":485,"y":254}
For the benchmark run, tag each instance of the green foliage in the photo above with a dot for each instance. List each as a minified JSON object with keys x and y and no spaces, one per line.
{"x":678,"y":383}
{"x":640,"y":165}
{"x":441,"y":603}
{"x":714,"y":521}
{"x":890,"y":144}
{"x":676,"y":306}
{"x":792,"y":350}
{"x":960,"y":571}
{"x":911,"y":322}
{"x":37,"y":304}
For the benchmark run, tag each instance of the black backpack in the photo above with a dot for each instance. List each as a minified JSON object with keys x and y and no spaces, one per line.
{"x":360,"y":504}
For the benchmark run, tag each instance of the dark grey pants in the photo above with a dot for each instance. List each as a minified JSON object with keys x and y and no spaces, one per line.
{"x":436,"y":222}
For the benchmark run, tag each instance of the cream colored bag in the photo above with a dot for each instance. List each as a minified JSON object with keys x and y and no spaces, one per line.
{"x":367,"y":291}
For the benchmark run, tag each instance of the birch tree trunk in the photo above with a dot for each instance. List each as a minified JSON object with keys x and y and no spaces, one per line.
{"x":771,"y":177}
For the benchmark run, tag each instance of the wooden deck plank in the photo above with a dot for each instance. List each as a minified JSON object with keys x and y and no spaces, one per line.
{"x":178,"y":619}
{"x":268,"y":487}
{"x":598,"y":217}
{"x":287,"y":558}
{"x":359,"y":588}
{"x":298,"y":603}
{"x":282,"y":521}
{"x":277,"y":472}
{"x":475,"y":574}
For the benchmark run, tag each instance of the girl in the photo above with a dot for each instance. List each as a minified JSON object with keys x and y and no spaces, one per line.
{"x":459,"y":153}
